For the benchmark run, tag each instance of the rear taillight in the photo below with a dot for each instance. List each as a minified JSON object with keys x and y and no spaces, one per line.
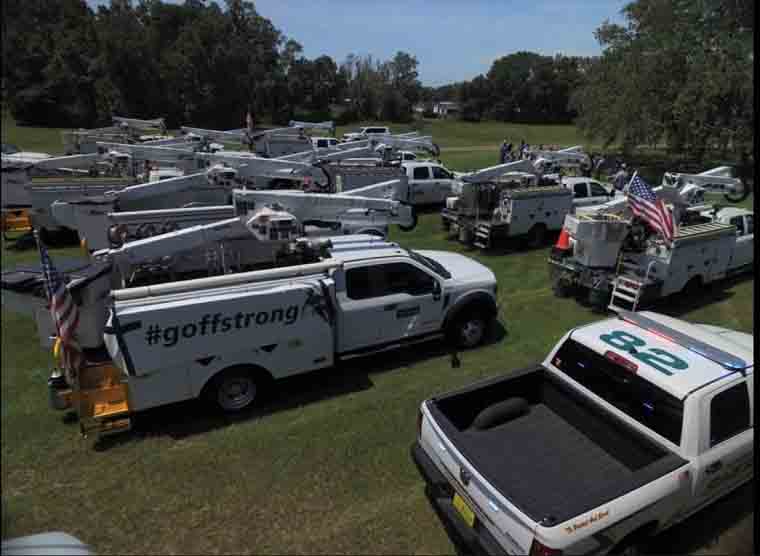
{"x":538,"y":549}
{"x":419,"y":424}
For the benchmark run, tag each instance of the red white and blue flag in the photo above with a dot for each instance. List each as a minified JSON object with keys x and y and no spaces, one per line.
{"x":63,"y":310}
{"x":646,"y":205}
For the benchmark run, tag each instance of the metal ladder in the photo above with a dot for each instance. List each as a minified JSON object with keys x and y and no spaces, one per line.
{"x":628,"y":286}
{"x":482,"y":235}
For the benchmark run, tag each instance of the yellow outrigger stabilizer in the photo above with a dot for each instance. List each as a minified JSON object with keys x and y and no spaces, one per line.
{"x":98,"y":395}
{"x":15,"y":220}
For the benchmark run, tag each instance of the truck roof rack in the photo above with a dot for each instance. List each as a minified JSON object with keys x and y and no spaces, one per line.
{"x":716,"y":355}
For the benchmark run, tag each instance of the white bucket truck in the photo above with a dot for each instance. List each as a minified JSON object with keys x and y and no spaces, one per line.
{"x":225,"y":338}
{"x":623,"y":265}
{"x":515,"y":200}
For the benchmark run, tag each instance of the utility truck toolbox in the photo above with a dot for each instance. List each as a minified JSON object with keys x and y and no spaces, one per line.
{"x":629,"y":426}
{"x":278,"y":320}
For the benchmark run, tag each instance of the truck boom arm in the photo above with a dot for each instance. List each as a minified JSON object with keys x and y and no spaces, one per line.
{"x":493,"y":172}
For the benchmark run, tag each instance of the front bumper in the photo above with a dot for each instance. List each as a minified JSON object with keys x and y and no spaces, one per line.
{"x":440,"y":493}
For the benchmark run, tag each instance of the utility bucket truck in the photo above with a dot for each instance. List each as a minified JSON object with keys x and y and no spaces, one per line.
{"x":511,"y":200}
{"x":615,"y":261}
{"x":226,"y":338}
{"x":27,"y":181}
{"x":629,"y":426}
{"x":718,"y":180}
{"x":261,"y":230}
{"x":123,"y":130}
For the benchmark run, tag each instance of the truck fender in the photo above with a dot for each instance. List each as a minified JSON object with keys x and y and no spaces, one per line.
{"x":479,"y":299}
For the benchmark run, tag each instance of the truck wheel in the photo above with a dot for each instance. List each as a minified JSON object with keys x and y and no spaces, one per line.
{"x":537,"y":235}
{"x":599,"y":299}
{"x":469,"y":329}
{"x":692,"y":287}
{"x":235,"y":389}
{"x":737,"y":196}
{"x":413,"y":224}
{"x":562,"y":288}
{"x":499,"y":413}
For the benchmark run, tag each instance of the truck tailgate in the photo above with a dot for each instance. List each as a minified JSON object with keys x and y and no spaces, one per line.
{"x":503,"y":521}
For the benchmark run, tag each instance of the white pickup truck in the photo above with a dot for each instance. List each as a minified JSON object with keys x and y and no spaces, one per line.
{"x":629,"y":426}
{"x":366,"y":132}
{"x":429,"y":182}
{"x":227,"y":337}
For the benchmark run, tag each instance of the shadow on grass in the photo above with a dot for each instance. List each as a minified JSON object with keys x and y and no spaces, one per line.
{"x":709,"y":528}
{"x":184,"y":419}
{"x":518,"y":244}
{"x":679,"y":304}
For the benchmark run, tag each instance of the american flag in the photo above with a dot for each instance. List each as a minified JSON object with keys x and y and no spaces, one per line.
{"x":63,"y":310}
{"x":645,"y":204}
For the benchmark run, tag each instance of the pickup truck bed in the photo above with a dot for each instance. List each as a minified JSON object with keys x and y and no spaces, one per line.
{"x":561,"y":458}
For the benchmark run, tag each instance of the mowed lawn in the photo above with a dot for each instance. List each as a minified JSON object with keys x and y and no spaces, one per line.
{"x":325,"y":466}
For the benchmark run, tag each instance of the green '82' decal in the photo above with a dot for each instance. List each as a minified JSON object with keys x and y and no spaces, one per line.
{"x":657,"y":358}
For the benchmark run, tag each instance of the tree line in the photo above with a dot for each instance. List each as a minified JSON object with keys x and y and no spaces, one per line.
{"x":677,"y":72}
{"x":67,"y":65}
{"x":523,"y":87}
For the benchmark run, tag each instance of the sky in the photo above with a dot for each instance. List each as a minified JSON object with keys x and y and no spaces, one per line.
{"x":453,"y":40}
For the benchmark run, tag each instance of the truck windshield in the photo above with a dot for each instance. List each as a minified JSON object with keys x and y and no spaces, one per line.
{"x":430,"y":263}
{"x":637,"y":398}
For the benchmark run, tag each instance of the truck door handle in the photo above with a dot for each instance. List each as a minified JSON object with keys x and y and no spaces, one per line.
{"x":713,"y":467}
{"x":390,"y":307}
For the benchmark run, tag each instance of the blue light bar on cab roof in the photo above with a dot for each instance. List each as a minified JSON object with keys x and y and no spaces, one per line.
{"x":722,"y":358}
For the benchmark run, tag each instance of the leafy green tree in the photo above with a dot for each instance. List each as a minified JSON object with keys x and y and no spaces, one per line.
{"x":680,"y":72}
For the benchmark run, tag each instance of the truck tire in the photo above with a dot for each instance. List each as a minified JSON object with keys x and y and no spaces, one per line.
{"x":599,"y":299}
{"x":537,"y":235}
{"x":500,"y":413}
{"x":236,"y":388}
{"x":738,"y":196}
{"x":413,"y":225}
{"x":692,"y":287}
{"x":470,"y":328}
{"x":562,"y":288}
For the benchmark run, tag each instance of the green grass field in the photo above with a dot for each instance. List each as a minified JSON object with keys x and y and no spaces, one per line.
{"x":325,"y":466}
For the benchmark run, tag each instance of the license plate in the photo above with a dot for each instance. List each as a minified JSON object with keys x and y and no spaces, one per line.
{"x":464,"y":510}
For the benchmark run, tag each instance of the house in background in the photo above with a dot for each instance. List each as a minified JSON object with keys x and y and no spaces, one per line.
{"x":446,"y":109}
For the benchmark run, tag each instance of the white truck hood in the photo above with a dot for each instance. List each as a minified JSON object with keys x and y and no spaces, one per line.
{"x":462,"y":269}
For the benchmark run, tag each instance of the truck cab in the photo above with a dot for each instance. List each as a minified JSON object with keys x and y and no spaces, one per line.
{"x":366,"y":132}
{"x":429,"y":182}
{"x":744,"y":222}
{"x":587,"y":192}
{"x":629,"y":426}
